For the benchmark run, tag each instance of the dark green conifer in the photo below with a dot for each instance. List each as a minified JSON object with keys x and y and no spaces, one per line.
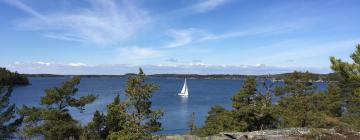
{"x":244,"y":106}
{"x":52,"y":119}
{"x":141,"y":120}
{"x":252,"y":108}
{"x":116,"y":116}
{"x":349,"y":85}
{"x":296,"y":106}
{"x":218,"y":120}
{"x":96,"y":129}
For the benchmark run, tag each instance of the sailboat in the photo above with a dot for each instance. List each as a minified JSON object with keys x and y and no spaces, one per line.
{"x":184,"y":90}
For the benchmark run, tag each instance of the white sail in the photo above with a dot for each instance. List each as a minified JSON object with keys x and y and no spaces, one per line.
{"x":184,"y":90}
{"x":184,"y":87}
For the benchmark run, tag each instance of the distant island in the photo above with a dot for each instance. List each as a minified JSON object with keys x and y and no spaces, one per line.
{"x":12,"y":78}
{"x":277,"y":77}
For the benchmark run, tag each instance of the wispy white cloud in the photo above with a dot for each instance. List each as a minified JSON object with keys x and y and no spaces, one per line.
{"x":25,"y":8}
{"x":302,"y":52}
{"x":184,"y":37}
{"x":104,"y":22}
{"x":47,"y":64}
{"x":207,"y":5}
{"x":40,"y":63}
{"x":77,"y":64}
{"x":181,"y":37}
{"x":138,"y":53}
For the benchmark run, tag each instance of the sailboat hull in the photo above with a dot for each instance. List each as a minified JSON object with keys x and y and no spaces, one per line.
{"x":182,"y":94}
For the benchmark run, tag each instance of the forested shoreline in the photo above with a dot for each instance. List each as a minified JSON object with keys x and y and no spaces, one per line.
{"x":12,"y":78}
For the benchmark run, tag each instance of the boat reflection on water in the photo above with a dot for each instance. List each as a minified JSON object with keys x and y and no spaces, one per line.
{"x":184,"y":99}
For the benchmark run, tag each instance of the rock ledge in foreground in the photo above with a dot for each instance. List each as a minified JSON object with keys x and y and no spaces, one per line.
{"x":276,"y":134}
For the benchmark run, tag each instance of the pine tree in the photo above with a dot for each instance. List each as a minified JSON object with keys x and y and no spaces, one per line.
{"x":265,"y":110}
{"x":116,"y":116}
{"x":251,"y":110}
{"x":218,"y":120}
{"x":328,"y":105}
{"x":141,"y":120}
{"x":96,"y":129}
{"x":8,"y":123}
{"x":52,"y":119}
{"x":349,"y":84}
{"x":296,"y":105}
{"x":244,"y":106}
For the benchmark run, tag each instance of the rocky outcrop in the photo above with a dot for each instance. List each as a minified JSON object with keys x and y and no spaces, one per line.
{"x":277,"y":134}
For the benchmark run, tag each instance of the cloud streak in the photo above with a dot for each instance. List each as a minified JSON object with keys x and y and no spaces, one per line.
{"x":22,"y":6}
{"x":207,"y":5}
{"x":103,"y":23}
{"x":138,"y":53}
{"x":184,"y":37}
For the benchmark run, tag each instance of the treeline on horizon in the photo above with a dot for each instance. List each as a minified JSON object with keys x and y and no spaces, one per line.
{"x":313,"y":76}
{"x":299,"y":105}
{"x":330,"y":77}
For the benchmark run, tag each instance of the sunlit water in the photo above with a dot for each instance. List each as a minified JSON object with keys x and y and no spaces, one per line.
{"x":177,"y":110}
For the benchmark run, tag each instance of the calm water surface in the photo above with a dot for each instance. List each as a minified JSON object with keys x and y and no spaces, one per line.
{"x":202,"y":95}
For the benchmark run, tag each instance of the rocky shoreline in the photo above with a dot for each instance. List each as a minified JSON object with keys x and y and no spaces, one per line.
{"x":276,"y":134}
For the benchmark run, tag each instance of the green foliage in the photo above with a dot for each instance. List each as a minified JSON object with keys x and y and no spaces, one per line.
{"x":244,"y":106}
{"x":251,"y":110}
{"x":302,"y":106}
{"x":52,"y":120}
{"x":141,"y":120}
{"x":265,"y":110}
{"x":49,"y":123}
{"x":218,"y":120}
{"x":349,"y":85}
{"x":96,"y":129}
{"x":329,"y":101}
{"x":12,"y":78}
{"x":8,"y":123}
{"x":116,"y":115}
{"x":329,"y":105}
{"x":114,"y":121}
{"x":295,"y":105}
{"x":63,"y":96}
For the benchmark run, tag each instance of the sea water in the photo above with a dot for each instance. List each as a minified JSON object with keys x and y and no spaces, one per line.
{"x":203,"y":94}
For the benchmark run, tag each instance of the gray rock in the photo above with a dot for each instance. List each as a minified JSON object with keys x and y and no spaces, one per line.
{"x":276,"y":134}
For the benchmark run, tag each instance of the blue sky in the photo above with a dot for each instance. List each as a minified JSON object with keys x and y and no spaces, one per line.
{"x":176,"y":36}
